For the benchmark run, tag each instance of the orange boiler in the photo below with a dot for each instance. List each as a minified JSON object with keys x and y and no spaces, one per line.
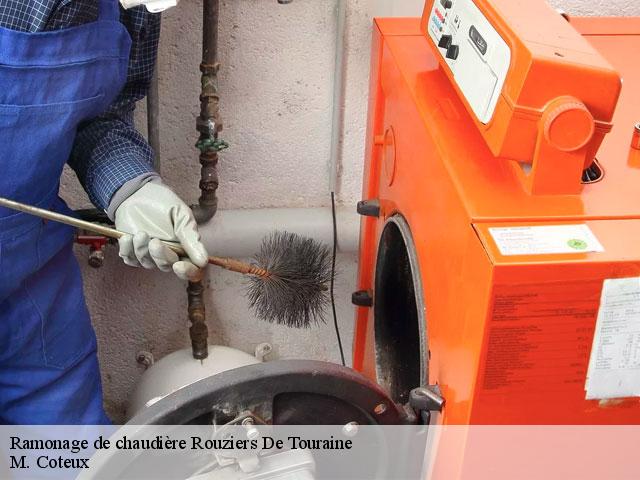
{"x":500,"y":236}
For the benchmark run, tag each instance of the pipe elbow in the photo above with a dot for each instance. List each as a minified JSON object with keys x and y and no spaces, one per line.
{"x":204,"y":214}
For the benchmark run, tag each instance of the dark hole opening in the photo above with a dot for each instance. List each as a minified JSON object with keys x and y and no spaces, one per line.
{"x":397,"y":331}
{"x":593,"y":174}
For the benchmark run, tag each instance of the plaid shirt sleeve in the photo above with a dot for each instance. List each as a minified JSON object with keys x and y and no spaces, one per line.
{"x":109,"y":151}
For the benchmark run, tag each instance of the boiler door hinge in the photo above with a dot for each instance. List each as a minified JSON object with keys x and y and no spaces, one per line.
{"x":425,"y":400}
{"x":369,"y":208}
{"x":362,"y":298}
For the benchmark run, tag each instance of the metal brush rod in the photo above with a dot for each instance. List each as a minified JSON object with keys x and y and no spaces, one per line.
{"x":226,"y":263}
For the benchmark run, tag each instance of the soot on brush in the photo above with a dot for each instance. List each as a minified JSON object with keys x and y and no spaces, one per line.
{"x":296,"y":291}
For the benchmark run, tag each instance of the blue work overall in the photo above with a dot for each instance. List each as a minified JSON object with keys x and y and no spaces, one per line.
{"x":50,"y":82}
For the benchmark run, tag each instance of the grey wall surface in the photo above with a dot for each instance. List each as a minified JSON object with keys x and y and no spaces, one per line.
{"x":276,"y":87}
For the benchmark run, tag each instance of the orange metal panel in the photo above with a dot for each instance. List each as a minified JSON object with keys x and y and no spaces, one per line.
{"x":540,"y":327}
{"x":445,"y":180}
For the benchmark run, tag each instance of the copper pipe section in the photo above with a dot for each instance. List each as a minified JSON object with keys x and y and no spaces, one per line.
{"x":208,"y":123}
{"x":635,"y":142}
{"x":198,"y":331}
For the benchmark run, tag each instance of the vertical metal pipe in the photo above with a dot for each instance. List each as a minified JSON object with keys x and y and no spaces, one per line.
{"x":338,"y":95}
{"x":153,"y":119}
{"x":209,"y":126}
{"x":208,"y":123}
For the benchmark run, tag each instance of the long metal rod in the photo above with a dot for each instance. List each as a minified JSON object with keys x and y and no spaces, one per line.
{"x":338,"y":95}
{"x":226,"y":263}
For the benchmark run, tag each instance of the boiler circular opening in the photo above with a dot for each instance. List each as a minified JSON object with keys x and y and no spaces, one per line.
{"x":399,"y":324}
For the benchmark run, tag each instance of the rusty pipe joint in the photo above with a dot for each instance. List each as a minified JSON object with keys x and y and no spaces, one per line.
{"x":198,"y":331}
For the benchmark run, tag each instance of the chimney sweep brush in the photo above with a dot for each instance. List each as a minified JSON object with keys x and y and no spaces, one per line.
{"x":288,"y":282}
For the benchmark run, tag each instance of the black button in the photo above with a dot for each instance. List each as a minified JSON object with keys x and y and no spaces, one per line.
{"x":446,"y":3}
{"x":445,"y":41}
{"x":453,"y":51}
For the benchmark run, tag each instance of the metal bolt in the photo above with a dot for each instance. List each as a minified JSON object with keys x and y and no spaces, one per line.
{"x":351,"y":429}
{"x":96,"y":258}
{"x":380,"y":409}
{"x":145,"y":358}
{"x":262,"y":350}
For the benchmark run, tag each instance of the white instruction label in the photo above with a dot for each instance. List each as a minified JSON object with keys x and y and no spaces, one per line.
{"x":614,"y":366}
{"x":545,"y":240}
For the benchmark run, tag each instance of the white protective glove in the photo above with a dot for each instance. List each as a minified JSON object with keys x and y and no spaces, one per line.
{"x":154,"y":213}
{"x":153,"y":6}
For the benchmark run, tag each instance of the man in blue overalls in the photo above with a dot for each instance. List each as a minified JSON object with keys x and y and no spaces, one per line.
{"x":70,"y":74}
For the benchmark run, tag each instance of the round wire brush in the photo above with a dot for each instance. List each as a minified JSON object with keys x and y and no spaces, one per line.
{"x":295,"y":292}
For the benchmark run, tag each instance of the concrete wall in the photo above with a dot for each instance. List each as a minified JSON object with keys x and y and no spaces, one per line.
{"x":276,"y":85}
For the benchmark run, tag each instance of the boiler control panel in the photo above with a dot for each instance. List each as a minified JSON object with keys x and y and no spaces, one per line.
{"x":476,"y":54}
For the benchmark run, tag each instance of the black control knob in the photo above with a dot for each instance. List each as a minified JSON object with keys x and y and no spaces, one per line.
{"x":445,"y":41}
{"x":446,"y":3}
{"x":452,"y":52}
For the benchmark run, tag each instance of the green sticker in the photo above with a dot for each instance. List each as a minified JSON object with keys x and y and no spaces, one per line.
{"x":577,"y":244}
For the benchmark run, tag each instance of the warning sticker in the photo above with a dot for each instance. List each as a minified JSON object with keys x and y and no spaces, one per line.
{"x":545,"y":240}
{"x":614,"y":365}
{"x":539,"y":337}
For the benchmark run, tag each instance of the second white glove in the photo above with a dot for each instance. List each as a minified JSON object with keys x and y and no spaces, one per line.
{"x":155,"y":213}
